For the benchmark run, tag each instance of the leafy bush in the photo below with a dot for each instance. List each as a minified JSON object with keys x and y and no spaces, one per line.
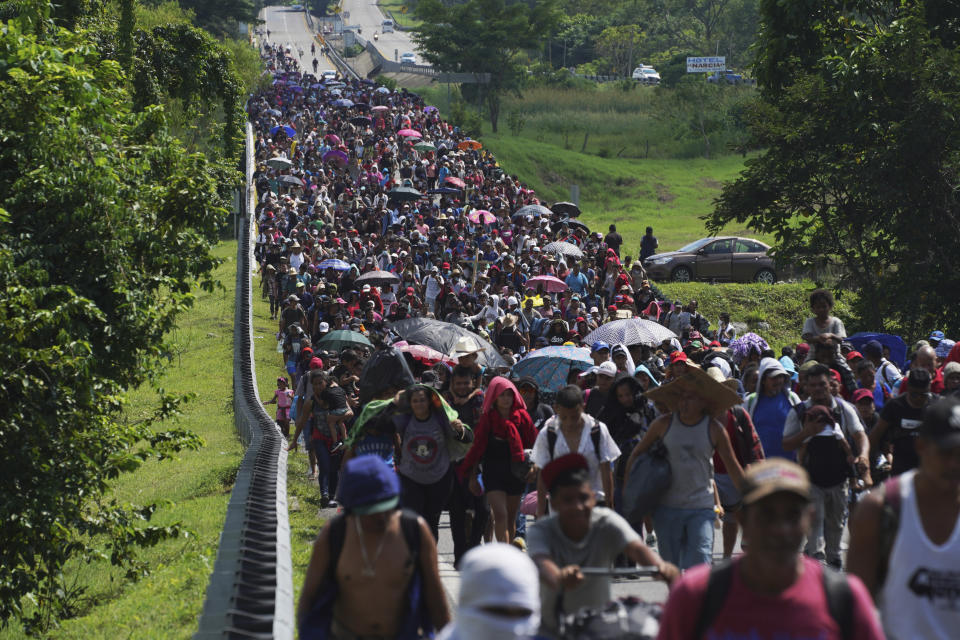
{"x":352,"y":51}
{"x":387,"y":82}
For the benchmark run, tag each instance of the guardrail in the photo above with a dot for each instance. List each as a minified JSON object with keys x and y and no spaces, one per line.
{"x":389,"y":66}
{"x":250,"y":594}
{"x":338,"y":61}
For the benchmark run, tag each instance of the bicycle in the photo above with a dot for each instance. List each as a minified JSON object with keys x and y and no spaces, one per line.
{"x":627,"y":618}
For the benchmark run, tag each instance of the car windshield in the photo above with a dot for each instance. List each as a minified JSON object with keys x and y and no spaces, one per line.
{"x":693,"y":246}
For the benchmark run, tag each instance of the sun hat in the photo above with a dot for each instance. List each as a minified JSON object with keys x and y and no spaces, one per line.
{"x":464,"y":346}
{"x":717,"y":374}
{"x":695,"y":380}
{"x":774,"y":475}
{"x":368,"y":486}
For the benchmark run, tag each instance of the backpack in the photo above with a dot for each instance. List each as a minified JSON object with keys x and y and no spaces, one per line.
{"x":889,"y":526}
{"x":826,"y":459}
{"x":594,"y":436}
{"x":316,"y":624}
{"x":748,"y":442}
{"x":835,"y":585}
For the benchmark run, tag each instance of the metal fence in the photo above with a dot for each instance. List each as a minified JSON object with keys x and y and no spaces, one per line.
{"x":250,"y":594}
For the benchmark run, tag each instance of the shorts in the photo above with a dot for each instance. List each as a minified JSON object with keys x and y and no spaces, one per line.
{"x":730,"y":498}
{"x":292,"y":367}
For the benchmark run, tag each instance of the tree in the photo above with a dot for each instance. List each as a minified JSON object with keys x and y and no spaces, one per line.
{"x":106,"y":226}
{"x":618,"y":44}
{"x":863,"y":152}
{"x":485,"y":38}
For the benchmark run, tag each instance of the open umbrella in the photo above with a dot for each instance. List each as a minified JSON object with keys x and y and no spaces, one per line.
{"x":377,"y":279}
{"x":279,"y":163}
{"x":550,"y":284}
{"x":481,"y":216}
{"x":404,"y":194}
{"x":379,"y":108}
{"x":287,"y":129}
{"x":361,"y":121}
{"x":630,"y":331}
{"x":423,"y":354}
{"x":565,"y":249}
{"x":443,"y":336}
{"x":273,"y":112}
{"x":566,"y":209}
{"x":470,"y":144}
{"x":344,"y":338}
{"x":361,"y":106}
{"x":335,"y":155}
{"x":343,"y":103}
{"x":533,"y":210}
{"x":898,"y":348}
{"x":383,"y":90}
{"x":424,"y":146}
{"x":444,"y":190}
{"x":570,"y":222}
{"x":335,"y":264}
{"x":550,"y":367}
{"x":294,"y":180}
{"x":455,"y":181}
{"x":332,"y":138}
{"x":409,"y":133}
{"x":430,"y":109}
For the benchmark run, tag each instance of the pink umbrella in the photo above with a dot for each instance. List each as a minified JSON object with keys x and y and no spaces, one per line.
{"x":455,"y":181}
{"x":481,"y":216}
{"x":336,"y":156}
{"x":550,"y":284}
{"x":409,"y":133}
{"x":379,"y":108}
{"x":332,"y":138}
{"x":423,"y":354}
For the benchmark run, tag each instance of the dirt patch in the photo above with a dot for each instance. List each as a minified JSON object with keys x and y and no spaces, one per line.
{"x":552,"y":177}
{"x":710,"y":183}
{"x":624,"y":181}
{"x":663,"y":194}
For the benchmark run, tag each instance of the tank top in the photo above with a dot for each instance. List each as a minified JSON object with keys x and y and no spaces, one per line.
{"x":921,"y":595}
{"x":690,"y":451}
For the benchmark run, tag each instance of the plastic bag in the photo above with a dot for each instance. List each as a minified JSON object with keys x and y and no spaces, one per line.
{"x":647,"y":483}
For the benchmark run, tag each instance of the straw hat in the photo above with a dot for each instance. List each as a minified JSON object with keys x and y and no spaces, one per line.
{"x":465,"y":346}
{"x":696,"y":381}
{"x":717,"y":374}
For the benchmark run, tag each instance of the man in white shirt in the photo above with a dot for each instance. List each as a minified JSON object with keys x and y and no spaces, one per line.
{"x":432,"y":284}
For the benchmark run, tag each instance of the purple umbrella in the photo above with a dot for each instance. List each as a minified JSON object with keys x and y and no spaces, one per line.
{"x":337,"y":156}
{"x":430,"y":109}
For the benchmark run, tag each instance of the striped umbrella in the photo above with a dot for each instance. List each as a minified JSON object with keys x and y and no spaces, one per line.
{"x":630,"y":331}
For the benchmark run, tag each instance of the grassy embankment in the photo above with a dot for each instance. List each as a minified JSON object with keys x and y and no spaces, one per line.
{"x":166,"y":603}
{"x":396,"y":8}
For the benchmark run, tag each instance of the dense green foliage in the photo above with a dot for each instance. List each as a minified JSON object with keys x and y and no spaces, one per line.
{"x":484,"y":37}
{"x":106,"y":230}
{"x":858,"y":116}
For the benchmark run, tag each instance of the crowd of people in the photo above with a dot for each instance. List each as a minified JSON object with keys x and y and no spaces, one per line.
{"x":372,"y":211}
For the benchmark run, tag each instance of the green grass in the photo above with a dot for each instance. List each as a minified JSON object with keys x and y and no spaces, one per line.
{"x":403,"y":19}
{"x":784,"y":307}
{"x":167,"y":602}
{"x":669,"y":195}
{"x":304,"y":496}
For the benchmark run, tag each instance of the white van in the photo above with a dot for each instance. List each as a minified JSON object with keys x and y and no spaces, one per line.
{"x":387,"y":26}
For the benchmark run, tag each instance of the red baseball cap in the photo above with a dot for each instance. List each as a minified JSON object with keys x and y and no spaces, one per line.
{"x":862,"y":394}
{"x":714,"y":343}
{"x":678,"y":356}
{"x":569,"y":462}
{"x":409,"y":291}
{"x":853,"y":355}
{"x":316,"y":363}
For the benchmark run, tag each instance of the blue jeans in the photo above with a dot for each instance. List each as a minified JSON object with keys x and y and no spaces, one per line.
{"x":324,"y":465}
{"x":684,"y":536}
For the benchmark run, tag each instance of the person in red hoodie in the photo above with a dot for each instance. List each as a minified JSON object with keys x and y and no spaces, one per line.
{"x":503,"y":432}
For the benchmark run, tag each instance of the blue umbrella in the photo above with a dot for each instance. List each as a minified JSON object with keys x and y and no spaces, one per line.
{"x":898,"y":348}
{"x":383,"y":90}
{"x":290,"y":131}
{"x":550,"y":366}
{"x":343,"y":102}
{"x":444,"y":190}
{"x":335,"y":264}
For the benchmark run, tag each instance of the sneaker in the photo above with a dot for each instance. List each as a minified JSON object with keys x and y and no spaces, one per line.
{"x":337,"y":446}
{"x":324,"y":502}
{"x":519,"y":543}
{"x":651,"y":539}
{"x":333,"y":504}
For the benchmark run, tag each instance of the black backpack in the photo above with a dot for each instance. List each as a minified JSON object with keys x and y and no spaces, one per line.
{"x":594,"y":436}
{"x":835,"y":585}
{"x":825,"y":459}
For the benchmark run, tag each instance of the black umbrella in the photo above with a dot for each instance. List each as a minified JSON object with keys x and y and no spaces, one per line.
{"x":404,"y":194}
{"x":378,"y":279}
{"x":443,"y":336}
{"x":570,"y":222}
{"x":566,"y":209}
{"x":294,"y":180}
{"x":360,"y":121}
{"x":533,"y":210}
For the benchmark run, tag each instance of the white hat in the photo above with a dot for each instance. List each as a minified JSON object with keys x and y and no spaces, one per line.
{"x":607,"y":369}
{"x":465,"y":346}
{"x":366,"y":288}
{"x":498,"y":575}
{"x":323,"y":327}
{"x":512,"y":300}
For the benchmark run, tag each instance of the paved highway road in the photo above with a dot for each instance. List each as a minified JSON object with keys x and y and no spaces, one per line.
{"x":368,"y":15}
{"x":289,"y":28}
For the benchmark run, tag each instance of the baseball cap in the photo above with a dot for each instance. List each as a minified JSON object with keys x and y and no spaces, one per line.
{"x":569,"y":462}
{"x":854,"y":355}
{"x":806,"y":366}
{"x":678,"y":356}
{"x":607,"y":369}
{"x":936,"y":335}
{"x":941,"y":423}
{"x":599,"y":346}
{"x":323,"y":327}
{"x":369,"y":486}
{"x":862,"y":394}
{"x":774,"y":475}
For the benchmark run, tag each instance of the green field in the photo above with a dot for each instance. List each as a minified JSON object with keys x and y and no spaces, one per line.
{"x":396,"y":7}
{"x":166,"y":603}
